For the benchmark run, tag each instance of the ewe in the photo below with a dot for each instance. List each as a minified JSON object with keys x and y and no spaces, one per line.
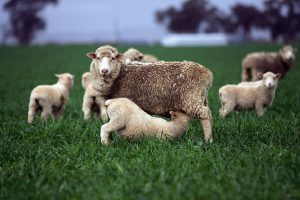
{"x":157,"y":88}
{"x":262,"y":62}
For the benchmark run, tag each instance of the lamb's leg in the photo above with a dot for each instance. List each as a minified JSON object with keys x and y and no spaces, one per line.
{"x":32,"y":110}
{"x":103,"y":112}
{"x":47,"y":110}
{"x":108,"y":128}
{"x":228,"y":107}
{"x":86,"y":107}
{"x":207,"y":128}
{"x":259,"y":109}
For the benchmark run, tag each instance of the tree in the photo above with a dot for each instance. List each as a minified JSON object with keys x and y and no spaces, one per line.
{"x":246,"y":17}
{"x":24,"y":20}
{"x":282,"y":18}
{"x":188,"y":18}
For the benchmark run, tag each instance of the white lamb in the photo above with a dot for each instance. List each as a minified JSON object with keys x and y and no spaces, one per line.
{"x":50,"y":99}
{"x":257,"y":95}
{"x":130,"y":121}
{"x":89,"y":104}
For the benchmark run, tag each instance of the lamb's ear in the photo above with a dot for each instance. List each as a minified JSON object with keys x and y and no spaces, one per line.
{"x":260,"y":75}
{"x":91,"y":55}
{"x":57,"y":75}
{"x":120,"y":56}
{"x":278,"y":75}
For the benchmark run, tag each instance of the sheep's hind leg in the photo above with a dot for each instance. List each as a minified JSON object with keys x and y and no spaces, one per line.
{"x":226,"y":109}
{"x":207,"y":124}
{"x":47,"y":110}
{"x":32,"y":111}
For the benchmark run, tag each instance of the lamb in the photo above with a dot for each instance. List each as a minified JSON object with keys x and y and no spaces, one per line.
{"x":148,"y":58}
{"x":133,"y":55}
{"x":157,"y":87}
{"x":255,"y":95}
{"x":50,"y":99}
{"x":89,"y":104}
{"x":262,"y":62}
{"x":130,"y":121}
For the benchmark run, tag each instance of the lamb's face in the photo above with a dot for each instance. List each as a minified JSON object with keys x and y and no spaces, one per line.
{"x":66,"y":78}
{"x":288,"y":53}
{"x":269,"y":79}
{"x":86,"y":79}
{"x":106,"y":61}
{"x":133,"y":55}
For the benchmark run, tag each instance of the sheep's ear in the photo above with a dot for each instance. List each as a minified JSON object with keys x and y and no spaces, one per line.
{"x":58,"y":75}
{"x":278,"y":75}
{"x":91,"y":55}
{"x":120,"y":56}
{"x":260,"y":75}
{"x":173,"y":114}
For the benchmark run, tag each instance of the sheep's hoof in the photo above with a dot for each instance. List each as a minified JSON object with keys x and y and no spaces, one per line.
{"x":105,"y":142}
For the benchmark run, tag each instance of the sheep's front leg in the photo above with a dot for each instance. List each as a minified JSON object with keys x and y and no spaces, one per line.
{"x":259,"y":109}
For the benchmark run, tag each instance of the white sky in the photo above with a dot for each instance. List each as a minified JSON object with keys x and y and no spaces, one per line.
{"x":103,"y":20}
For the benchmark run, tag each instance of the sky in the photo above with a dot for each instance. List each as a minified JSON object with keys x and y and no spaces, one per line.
{"x":109,"y":20}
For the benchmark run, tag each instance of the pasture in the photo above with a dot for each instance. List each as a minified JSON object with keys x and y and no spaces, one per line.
{"x":250,"y":158}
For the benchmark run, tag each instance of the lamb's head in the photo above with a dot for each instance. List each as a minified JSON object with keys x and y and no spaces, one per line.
{"x":179,"y":117}
{"x":86,"y":79}
{"x":287,"y":54}
{"x":133,"y":55}
{"x":269,"y":79}
{"x":106,"y":59}
{"x":65,"y":79}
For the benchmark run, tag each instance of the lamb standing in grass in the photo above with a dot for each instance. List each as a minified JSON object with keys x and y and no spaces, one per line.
{"x":157,"y":88}
{"x":130,"y":121}
{"x":50,"y":99}
{"x":262,"y":62}
{"x":89,"y":104}
{"x":257,"y":95}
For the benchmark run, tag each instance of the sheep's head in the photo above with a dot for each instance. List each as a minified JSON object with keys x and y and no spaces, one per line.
{"x":66,"y":79}
{"x":288,"y":53}
{"x":269,"y":79}
{"x":133,"y":55}
{"x":86,"y":79}
{"x":106,"y":59}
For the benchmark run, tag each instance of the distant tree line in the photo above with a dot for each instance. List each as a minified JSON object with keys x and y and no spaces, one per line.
{"x":24,"y":19}
{"x":280,"y":17}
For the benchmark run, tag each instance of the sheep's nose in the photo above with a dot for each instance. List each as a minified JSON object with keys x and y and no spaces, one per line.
{"x":270,"y":85}
{"x":104,"y":71}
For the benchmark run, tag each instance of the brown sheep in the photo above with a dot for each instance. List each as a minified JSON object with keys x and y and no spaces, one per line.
{"x":262,"y":62}
{"x":157,"y":88}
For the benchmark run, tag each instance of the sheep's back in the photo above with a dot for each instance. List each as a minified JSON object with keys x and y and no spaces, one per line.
{"x":160,"y":87}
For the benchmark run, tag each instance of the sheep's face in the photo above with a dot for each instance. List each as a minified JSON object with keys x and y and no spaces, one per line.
{"x":269,"y":79}
{"x":66,"y":79}
{"x":106,"y":61}
{"x":288,"y":53}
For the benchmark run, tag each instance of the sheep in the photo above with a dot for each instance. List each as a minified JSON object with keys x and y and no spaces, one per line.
{"x":255,"y":95}
{"x":89,"y":104}
{"x":130,"y":121}
{"x":50,"y":99}
{"x":261,"y":62}
{"x":157,"y":87}
{"x":148,"y":58}
{"x":133,"y":55}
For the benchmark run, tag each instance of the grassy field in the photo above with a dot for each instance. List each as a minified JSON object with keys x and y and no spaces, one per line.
{"x":251,"y":158}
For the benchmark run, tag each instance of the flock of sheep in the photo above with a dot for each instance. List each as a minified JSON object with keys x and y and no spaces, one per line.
{"x":127,"y":88}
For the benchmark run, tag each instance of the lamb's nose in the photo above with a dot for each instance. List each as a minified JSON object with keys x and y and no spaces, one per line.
{"x":270,"y":84}
{"x":104,"y":71}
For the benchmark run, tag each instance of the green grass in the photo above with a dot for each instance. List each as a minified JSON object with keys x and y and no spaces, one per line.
{"x":251,"y":157}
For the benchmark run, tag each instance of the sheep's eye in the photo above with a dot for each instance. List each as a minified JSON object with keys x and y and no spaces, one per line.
{"x":112,"y":58}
